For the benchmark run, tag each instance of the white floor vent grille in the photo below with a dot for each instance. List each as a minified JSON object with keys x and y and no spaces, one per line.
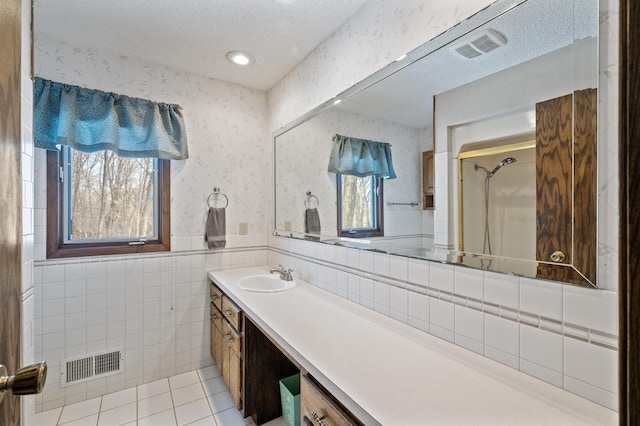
{"x":89,"y":367}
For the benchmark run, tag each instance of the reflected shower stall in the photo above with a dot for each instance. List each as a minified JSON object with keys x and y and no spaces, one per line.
{"x":498,"y":203}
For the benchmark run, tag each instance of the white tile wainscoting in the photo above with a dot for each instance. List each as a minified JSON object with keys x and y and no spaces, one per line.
{"x":155,"y":307}
{"x":562,"y":334}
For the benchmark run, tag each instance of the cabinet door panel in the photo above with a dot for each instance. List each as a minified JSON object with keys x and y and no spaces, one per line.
{"x":554,"y":182}
{"x":235,"y":378}
{"x":219,"y":351}
{"x":213,"y":343}
{"x":216,"y":295}
{"x":428,"y":180}
{"x":566,"y":183}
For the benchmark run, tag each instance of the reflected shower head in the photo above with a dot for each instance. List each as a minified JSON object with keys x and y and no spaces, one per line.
{"x":508,"y":160}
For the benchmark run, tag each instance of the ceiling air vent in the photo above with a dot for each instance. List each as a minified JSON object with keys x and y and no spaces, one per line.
{"x":479,"y":43}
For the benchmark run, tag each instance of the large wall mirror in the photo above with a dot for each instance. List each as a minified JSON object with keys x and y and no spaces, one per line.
{"x":493,"y":132}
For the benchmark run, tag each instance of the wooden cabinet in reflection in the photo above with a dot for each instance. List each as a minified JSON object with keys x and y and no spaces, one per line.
{"x":566,"y":187}
{"x":428,"y":180}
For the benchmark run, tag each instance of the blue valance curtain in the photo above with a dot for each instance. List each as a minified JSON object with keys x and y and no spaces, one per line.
{"x":360,"y":157}
{"x":91,"y":120}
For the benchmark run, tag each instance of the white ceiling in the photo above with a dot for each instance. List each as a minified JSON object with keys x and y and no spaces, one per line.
{"x":195,"y":35}
{"x":532,"y":29}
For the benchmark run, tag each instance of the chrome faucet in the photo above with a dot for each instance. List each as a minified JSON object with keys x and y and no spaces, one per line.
{"x":285,"y":274}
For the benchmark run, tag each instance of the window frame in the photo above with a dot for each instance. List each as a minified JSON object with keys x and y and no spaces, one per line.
{"x":55,"y":244}
{"x":379,"y":206}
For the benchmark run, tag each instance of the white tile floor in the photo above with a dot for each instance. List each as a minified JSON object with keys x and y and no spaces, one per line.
{"x":195,"y":398}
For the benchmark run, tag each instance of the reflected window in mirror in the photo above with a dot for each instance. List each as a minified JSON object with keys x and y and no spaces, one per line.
{"x":360,"y":211}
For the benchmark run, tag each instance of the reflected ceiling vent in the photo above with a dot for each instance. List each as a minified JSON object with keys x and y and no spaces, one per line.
{"x":480,"y":43}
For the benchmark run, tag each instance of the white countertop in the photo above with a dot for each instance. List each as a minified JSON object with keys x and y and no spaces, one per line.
{"x":388,"y":372}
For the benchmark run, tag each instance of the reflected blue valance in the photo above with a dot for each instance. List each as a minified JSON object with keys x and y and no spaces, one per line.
{"x":91,"y":120}
{"x":360,"y":157}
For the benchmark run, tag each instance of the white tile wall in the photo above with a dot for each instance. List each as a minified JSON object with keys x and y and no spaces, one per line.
{"x":441,"y":277}
{"x":591,"y":309}
{"x":418,"y":272}
{"x":543,"y":349}
{"x":469,"y":283}
{"x":501,"y":289}
{"x":542,"y":297}
{"x":154,"y":307}
{"x":516,"y":321}
{"x":441,"y":318}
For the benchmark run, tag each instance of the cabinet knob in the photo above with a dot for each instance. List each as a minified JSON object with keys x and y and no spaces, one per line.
{"x":557,"y":256}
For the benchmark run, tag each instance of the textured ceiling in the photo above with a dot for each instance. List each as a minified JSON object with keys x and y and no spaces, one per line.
{"x":195,"y":35}
{"x":532,"y":29}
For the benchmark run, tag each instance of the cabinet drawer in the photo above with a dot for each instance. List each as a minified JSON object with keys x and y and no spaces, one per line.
{"x":216,"y":296}
{"x":216,"y":316}
{"x":232,"y":338}
{"x":318,"y":409}
{"x":231,"y":312}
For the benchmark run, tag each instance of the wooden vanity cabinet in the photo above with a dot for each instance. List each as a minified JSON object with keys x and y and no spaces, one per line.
{"x":428,"y":180}
{"x":319,"y":408}
{"x":216,"y":334}
{"x":227,"y":342}
{"x":232,"y":362}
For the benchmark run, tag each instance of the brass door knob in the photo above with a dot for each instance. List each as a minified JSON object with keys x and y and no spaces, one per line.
{"x":28,"y":380}
{"x":558,"y":256}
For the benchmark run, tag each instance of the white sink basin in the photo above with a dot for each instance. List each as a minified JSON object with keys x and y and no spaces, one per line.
{"x":265,"y":283}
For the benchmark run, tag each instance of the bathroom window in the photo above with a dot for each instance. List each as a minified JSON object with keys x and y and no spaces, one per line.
{"x":100,"y":203}
{"x":360,"y":206}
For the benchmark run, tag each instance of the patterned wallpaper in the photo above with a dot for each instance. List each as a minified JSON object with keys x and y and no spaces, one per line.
{"x":380,"y":32}
{"x":302,"y":155}
{"x":226,"y":129}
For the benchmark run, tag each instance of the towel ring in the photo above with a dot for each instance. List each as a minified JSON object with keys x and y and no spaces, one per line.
{"x":216,"y":192}
{"x":309,"y":201}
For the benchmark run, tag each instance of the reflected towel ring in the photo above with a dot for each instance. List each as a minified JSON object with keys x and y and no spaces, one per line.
{"x":309,"y":201}
{"x":216,"y":192}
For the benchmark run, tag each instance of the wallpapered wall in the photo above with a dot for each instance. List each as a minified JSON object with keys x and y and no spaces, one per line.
{"x":380,"y":32}
{"x":152,"y":307}
{"x":226,"y":129}
{"x":302,"y":156}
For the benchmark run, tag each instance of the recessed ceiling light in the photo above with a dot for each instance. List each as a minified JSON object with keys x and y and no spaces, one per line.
{"x":337,"y":101}
{"x":240,"y":58}
{"x":401,"y":57}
